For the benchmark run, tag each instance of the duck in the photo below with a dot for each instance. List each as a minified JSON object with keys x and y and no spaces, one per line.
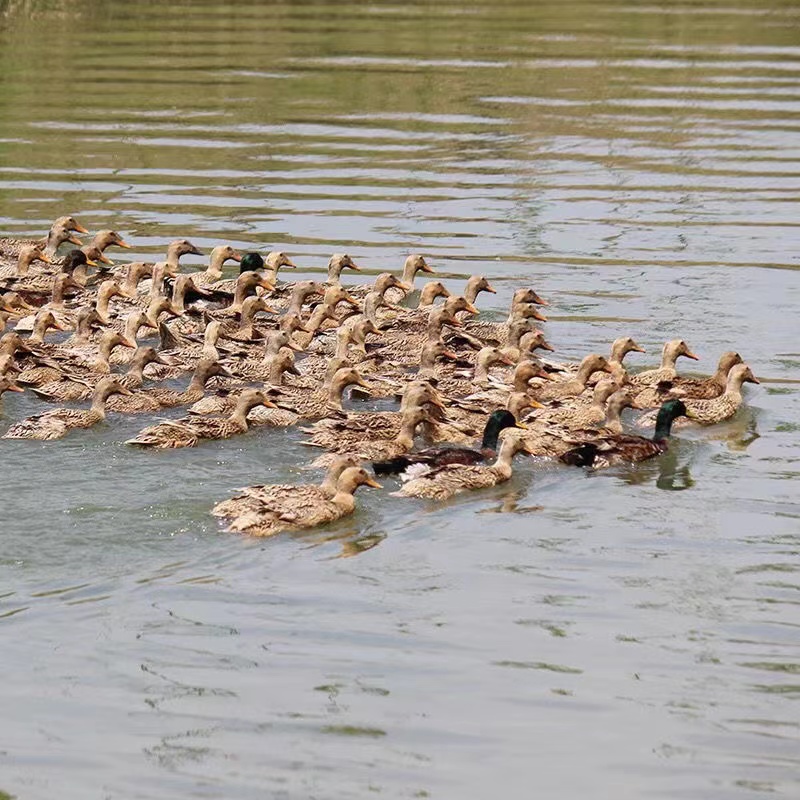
{"x":457,"y":385}
{"x":254,"y":498}
{"x":706,"y":388}
{"x":374,"y":449}
{"x":496,"y":333}
{"x":349,"y":431}
{"x":298,"y":509}
{"x":434,"y":457}
{"x":672,"y":351}
{"x":620,"y":448}
{"x":62,"y":231}
{"x":189,"y":431}
{"x":337,"y":264}
{"x":451,"y":479}
{"x":213,"y":273}
{"x":574,"y":385}
{"x":317,"y":403}
{"x":583,"y":414}
{"x":475,"y":285}
{"x":43,"y":322}
{"x":376,"y":298}
{"x":57,"y":423}
{"x":413,"y":265}
{"x":27,"y":255}
{"x":71,"y":387}
{"x":41,"y":284}
{"x":719,"y":409}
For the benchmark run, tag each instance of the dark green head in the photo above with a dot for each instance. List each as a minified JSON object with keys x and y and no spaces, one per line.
{"x":498,"y":421}
{"x":251,"y":262}
{"x":667,"y":414}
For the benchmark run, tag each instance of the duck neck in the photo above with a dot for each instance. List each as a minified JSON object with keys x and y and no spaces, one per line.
{"x":104,"y":295}
{"x":372,"y":302}
{"x":409,"y":274}
{"x":57,"y":298}
{"x":584,"y":373}
{"x":277,"y":367}
{"x":132,"y":325}
{"x":239,"y":415}
{"x":405,"y":436}
{"x":39,"y":330}
{"x":344,"y":500}
{"x":502,"y":466}
{"x":664,"y":422}
{"x":99,"y":405}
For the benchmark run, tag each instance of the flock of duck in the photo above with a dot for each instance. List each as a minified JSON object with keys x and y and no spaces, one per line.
{"x":263,"y":354}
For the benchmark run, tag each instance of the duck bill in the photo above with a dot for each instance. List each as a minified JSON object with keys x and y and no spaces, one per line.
{"x":426,"y":268}
{"x":362,"y":383}
{"x":351,"y":300}
{"x":79,"y":228}
{"x":450,"y":355}
{"x":44,"y":258}
{"x":539,"y":300}
{"x":509,"y":362}
{"x":637,"y":349}
{"x":294,"y":346}
{"x":74,"y":240}
{"x":454,"y":323}
{"x":534,"y":403}
{"x":373,"y":483}
{"x":103,"y":258}
{"x":266,"y":284}
{"x":122,"y":243}
{"x":753,"y":379}
{"x":521,"y":425}
{"x":690,"y":414}
{"x":541,"y":317}
{"x":195,"y":251}
{"x":470,"y":308}
{"x":126,"y":341}
{"x":355,"y":267}
{"x":545,"y":345}
{"x":406,"y":287}
{"x":289,"y":264}
{"x":489,"y":288}
{"x":235,"y":256}
{"x":292,"y":370}
{"x":56,"y":325}
{"x":690,"y":354}
{"x":91,"y":263}
{"x":268,"y":403}
{"x":14,"y":387}
{"x":270,"y":310}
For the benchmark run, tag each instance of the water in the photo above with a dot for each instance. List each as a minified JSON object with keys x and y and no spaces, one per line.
{"x":557,"y":636}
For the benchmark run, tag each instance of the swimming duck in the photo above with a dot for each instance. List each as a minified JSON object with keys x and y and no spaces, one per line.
{"x":625,"y":448}
{"x":317,"y":403}
{"x":377,"y":448}
{"x":71,"y":387}
{"x":345,"y":434}
{"x":57,"y":423}
{"x":582,"y":414}
{"x":189,"y":431}
{"x":218,"y":257}
{"x":155,"y":398}
{"x":42,"y":323}
{"x":255,"y":498}
{"x":576,"y":385}
{"x":413,"y":265}
{"x":710,"y":412}
{"x":451,"y":479}
{"x":339,"y":262}
{"x":672,"y":351}
{"x":42,"y":284}
{"x":475,"y":285}
{"x":434,"y":457}
{"x":61,"y":231}
{"x":496,"y":333}
{"x":27,"y":256}
{"x":706,"y":388}
{"x":296,"y":510}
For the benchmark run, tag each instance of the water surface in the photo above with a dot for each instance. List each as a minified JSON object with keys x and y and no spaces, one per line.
{"x":560,"y":635}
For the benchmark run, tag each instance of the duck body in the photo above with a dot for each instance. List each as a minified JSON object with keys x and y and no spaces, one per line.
{"x":280,"y":508}
{"x":620,"y":448}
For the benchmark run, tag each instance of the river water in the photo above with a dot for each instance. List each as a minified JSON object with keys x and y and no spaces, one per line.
{"x":566,"y":635}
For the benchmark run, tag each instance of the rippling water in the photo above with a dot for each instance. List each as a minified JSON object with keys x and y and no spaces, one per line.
{"x":558,"y":636}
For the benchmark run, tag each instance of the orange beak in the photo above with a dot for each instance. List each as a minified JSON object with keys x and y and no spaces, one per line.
{"x":471,"y":308}
{"x":123,"y":243}
{"x":373,"y":483}
{"x":690,"y":354}
{"x":44,"y":257}
{"x":490,"y":289}
{"x":74,"y":240}
{"x":80,"y":228}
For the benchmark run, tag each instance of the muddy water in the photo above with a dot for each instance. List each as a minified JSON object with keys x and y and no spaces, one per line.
{"x":564,"y":635}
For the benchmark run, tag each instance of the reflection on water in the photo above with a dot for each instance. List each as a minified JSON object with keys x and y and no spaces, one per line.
{"x":637,"y":164}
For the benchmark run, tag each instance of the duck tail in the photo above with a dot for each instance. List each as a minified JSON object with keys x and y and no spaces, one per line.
{"x":391,"y":466}
{"x":581,"y":456}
